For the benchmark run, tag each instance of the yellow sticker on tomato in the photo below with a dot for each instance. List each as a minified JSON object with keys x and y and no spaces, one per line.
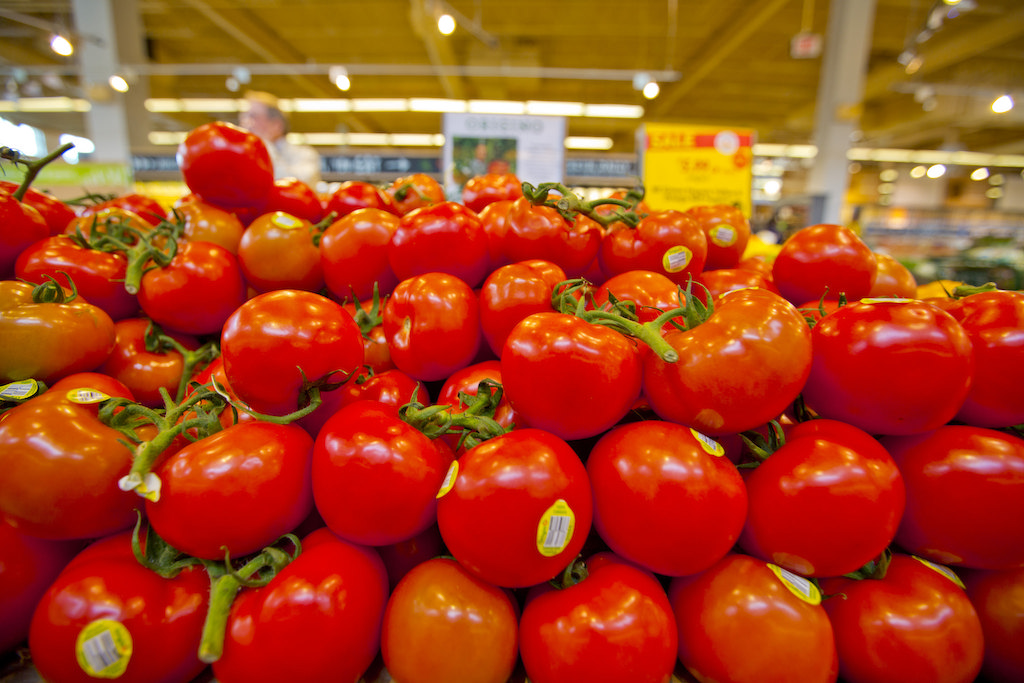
{"x":941,"y":569}
{"x":797,"y":585}
{"x":676,"y":259}
{"x":449,"y":479}
{"x":19,"y":390}
{"x":104,"y":648}
{"x":709,"y":445}
{"x":723,"y":235}
{"x":86,"y":396}
{"x":554,"y":532}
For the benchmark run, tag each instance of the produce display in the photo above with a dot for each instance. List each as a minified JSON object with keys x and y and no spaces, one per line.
{"x":269,"y":435}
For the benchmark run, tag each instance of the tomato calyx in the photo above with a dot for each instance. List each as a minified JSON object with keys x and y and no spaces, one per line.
{"x":32,"y":166}
{"x":143,"y":252}
{"x":192,"y":359}
{"x":474,"y":424}
{"x":569,"y":204}
{"x":875,"y":569}
{"x":620,"y":316}
{"x":52,"y":292}
{"x":368,"y":319}
{"x":761,"y":446}
{"x":576,"y":572}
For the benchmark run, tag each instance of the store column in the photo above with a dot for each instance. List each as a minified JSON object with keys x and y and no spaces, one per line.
{"x":840,"y":88}
{"x":112,"y":115}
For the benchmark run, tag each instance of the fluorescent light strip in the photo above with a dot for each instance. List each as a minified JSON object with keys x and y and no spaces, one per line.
{"x":210,"y":104}
{"x":554,"y":108}
{"x":582,"y":142}
{"x":613,"y":111}
{"x":437,"y":104}
{"x":380,"y":104}
{"x":496,"y":107}
{"x":321,"y":104}
{"x":47,"y":104}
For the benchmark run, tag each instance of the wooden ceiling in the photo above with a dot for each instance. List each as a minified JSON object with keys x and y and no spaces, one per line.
{"x":728,"y":62}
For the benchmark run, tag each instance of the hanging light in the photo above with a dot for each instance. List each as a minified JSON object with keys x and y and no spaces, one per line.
{"x":339,"y":76}
{"x":651,"y":90}
{"x":61,"y":45}
{"x":118,"y":83}
{"x":1002,"y":104}
{"x":446,"y":24}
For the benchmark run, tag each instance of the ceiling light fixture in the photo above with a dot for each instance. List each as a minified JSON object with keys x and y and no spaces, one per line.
{"x":118,"y":83}
{"x":446,"y":24}
{"x":651,"y":90}
{"x":979,"y":173}
{"x":1002,"y":104}
{"x":61,"y":45}
{"x":339,"y":76}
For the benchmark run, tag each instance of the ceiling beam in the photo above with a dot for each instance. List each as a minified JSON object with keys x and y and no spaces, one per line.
{"x":720,"y":45}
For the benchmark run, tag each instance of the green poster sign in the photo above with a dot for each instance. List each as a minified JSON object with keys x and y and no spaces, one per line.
{"x":77,"y":175}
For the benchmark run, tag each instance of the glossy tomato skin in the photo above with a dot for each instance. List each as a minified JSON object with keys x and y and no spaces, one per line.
{"x":444,"y":237}
{"x":98,"y":275}
{"x":442,"y":623}
{"x":48,"y":341}
{"x":432,"y":326}
{"x":540,"y":232}
{"x":965,"y":504}
{"x":652,"y":293}
{"x":506,"y":491}
{"x":998,"y":598}
{"x":105,"y":589}
{"x":375,"y":477}
{"x":275,"y":341}
{"x":824,"y":258}
{"x":737,"y":370}
{"x":277,"y":251}
{"x":551,"y":356}
{"x":727,"y":230}
{"x":354,"y":254}
{"x":23,"y":226}
{"x":826,"y":503}
{"x":196,"y":292}
{"x":205,"y":222}
{"x":325,"y":609}
{"x":665,"y":498}
{"x":293,"y":196}
{"x":718,"y":282}
{"x":483,"y":190}
{"x":412,"y":192}
{"x":353,"y":195}
{"x":511,"y":293}
{"x":667,"y":242}
{"x":61,"y":464}
{"x":55,"y":212}
{"x":241,"y":489}
{"x":889,"y":366}
{"x":614,"y":625}
{"x":145,"y":372}
{"x":893,"y":279}
{"x":467,"y":381}
{"x":28,"y":565}
{"x":227,"y":165}
{"x":915,"y":623}
{"x":144,"y":206}
{"x":494,"y":219}
{"x":740,"y":621}
{"x":994,"y":321}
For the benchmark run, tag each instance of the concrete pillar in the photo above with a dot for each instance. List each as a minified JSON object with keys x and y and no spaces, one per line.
{"x":837,"y":116}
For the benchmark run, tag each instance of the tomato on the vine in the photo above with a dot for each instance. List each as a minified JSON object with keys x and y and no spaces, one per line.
{"x":824,"y":259}
{"x":540,"y":232}
{"x":354,"y":254}
{"x":353,"y":195}
{"x":998,"y":598}
{"x":670,"y":243}
{"x":23,"y":226}
{"x":281,"y":251}
{"x":483,"y":190}
{"x":727,"y":230}
{"x":513,"y":292}
{"x":444,"y":237}
{"x":142,"y":370}
{"x":411,"y":192}
{"x":227,"y":165}
{"x":205,"y":222}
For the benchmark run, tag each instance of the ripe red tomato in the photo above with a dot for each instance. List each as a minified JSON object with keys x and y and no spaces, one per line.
{"x":204,"y":222}
{"x":108,"y":616}
{"x":889,"y":366}
{"x":653,"y":293}
{"x":965,"y":504}
{"x":294,"y":197}
{"x":665,"y":497}
{"x":518,"y":509}
{"x":414,"y":191}
{"x":45,"y":336}
{"x":28,"y":566}
{"x":568,"y":376}
{"x":824,"y":258}
{"x":143,"y":371}
{"x":472,"y":627}
{"x":994,"y":321}
{"x":727,"y":230}
{"x":718,"y":282}
{"x":494,"y":219}
{"x":482,"y":190}
{"x":467,"y":381}
{"x":893,"y":279}
{"x":915,"y":623}
{"x":279,"y":251}
{"x":354,"y":254}
{"x":737,"y":370}
{"x":353,"y":195}
{"x":375,"y":477}
{"x":144,"y":206}
{"x":824,"y":504}
{"x":196,"y":292}
{"x":614,"y":625}
{"x":276,"y":342}
{"x":432,"y":326}
{"x":226,"y":165}
{"x":325,"y":609}
{"x":998,"y":598}
{"x":239,"y":490}
{"x":671,"y":243}
{"x":98,"y":275}
{"x":444,"y":237}
{"x":540,"y":232}
{"x":746,"y":620}
{"x":23,"y":226}
{"x":55,"y":212}
{"x":511,"y":293}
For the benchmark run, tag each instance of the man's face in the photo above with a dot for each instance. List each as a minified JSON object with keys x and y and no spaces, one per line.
{"x":259,"y":120}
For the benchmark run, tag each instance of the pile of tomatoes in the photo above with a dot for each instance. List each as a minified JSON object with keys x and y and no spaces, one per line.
{"x":273,"y":435}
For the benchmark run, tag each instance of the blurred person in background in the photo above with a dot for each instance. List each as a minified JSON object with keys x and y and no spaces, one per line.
{"x":265,"y":118}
